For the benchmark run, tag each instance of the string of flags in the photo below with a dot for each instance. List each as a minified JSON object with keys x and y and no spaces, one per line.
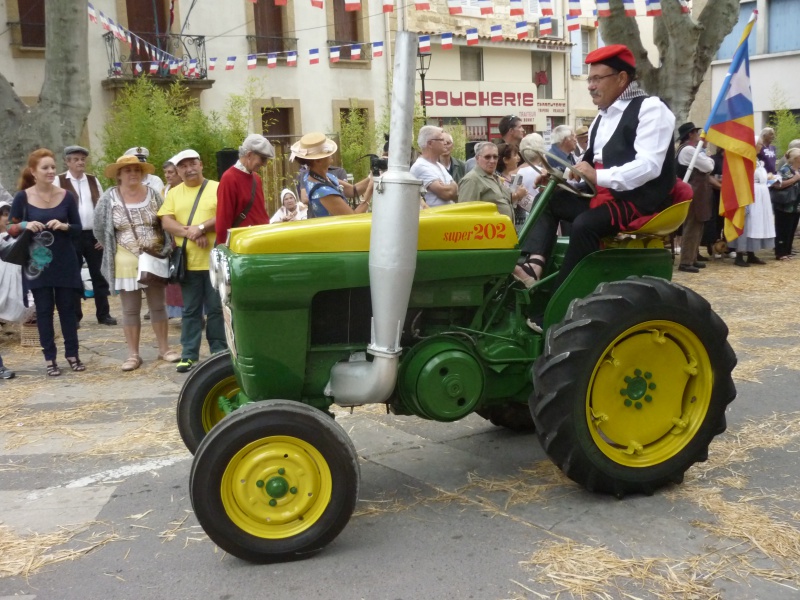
{"x":455,"y":7}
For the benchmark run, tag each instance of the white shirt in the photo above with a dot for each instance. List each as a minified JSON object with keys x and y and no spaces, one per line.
{"x":84,"y":192}
{"x":653,"y":137}
{"x":429,"y":172}
{"x":704,"y":163}
{"x":155,"y":183}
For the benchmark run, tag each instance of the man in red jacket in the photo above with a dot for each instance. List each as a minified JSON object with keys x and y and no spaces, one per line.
{"x":240,"y":196}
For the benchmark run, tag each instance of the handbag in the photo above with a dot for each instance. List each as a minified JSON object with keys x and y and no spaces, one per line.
{"x":785,"y":197}
{"x":153,"y":269}
{"x":17,"y":251}
{"x":177,"y":262}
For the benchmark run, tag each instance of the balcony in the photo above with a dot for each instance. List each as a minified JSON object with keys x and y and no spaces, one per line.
{"x":269,"y":44}
{"x":344,"y":51}
{"x":184,"y":48}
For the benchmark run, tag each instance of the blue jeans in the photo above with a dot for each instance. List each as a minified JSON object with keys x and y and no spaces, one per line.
{"x":47,"y":299}
{"x":197,"y":292}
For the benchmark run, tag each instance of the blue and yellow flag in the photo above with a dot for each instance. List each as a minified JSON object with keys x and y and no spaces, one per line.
{"x":730,"y":127}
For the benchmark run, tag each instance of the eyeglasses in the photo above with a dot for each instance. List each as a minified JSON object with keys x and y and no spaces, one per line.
{"x":595,"y":79}
{"x":490,"y":157}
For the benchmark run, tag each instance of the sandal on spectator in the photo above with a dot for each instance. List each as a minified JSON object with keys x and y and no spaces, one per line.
{"x":133,"y":362}
{"x":52,"y":369}
{"x":170,"y":356}
{"x":75,"y":364}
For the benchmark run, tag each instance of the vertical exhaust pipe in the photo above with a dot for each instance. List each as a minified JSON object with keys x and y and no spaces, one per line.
{"x":392,"y":249}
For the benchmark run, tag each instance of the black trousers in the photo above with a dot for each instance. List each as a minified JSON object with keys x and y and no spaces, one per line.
{"x":785,"y":226}
{"x":47,"y":299}
{"x":84,"y":246}
{"x":589,"y":226}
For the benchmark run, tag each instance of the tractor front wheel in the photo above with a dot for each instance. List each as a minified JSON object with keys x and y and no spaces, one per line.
{"x":274,"y":481}
{"x":198,"y":401}
{"x":633,"y":385}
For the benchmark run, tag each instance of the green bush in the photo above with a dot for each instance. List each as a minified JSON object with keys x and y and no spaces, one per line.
{"x":784,"y":122}
{"x":355,"y":140}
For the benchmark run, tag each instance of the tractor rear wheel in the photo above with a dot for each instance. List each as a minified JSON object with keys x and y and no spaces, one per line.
{"x":513,"y":416}
{"x":633,"y":385}
{"x":198,"y":401}
{"x":276,"y":480}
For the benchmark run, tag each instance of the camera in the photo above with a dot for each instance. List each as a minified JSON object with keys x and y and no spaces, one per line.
{"x":377,"y":164}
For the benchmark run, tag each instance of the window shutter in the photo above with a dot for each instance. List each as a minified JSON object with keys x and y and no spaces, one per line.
{"x":533,"y":8}
{"x":576,"y":62}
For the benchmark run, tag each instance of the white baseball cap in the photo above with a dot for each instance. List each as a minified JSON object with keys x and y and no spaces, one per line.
{"x":183,"y":155}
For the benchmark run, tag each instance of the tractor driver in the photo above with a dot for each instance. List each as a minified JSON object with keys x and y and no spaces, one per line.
{"x":630,"y":159}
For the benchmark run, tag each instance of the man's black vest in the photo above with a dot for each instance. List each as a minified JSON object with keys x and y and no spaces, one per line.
{"x":653,"y":196}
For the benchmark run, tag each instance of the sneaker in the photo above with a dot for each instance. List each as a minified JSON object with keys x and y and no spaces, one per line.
{"x":6,"y":373}
{"x":185,"y":365}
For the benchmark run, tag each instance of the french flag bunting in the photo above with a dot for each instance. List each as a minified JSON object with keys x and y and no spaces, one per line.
{"x":547,"y":7}
{"x":193,"y":67}
{"x":136,"y":43}
{"x":277,"y":2}
{"x":313,"y":56}
{"x":545,"y":26}
{"x":117,"y":68}
{"x":497,"y":33}
{"x":454,"y":6}
{"x":425,"y":44}
{"x":685,"y":7}
{"x":388,"y":6}
{"x":334,"y":54}
{"x":350,"y":5}
{"x":291,"y":59}
{"x":154,"y":67}
{"x":230,"y":63}
{"x":212,"y":63}
{"x":355,"y":52}
{"x":92,"y":14}
{"x":653,"y":8}
{"x":486,"y":7}
{"x":317,"y":4}
{"x":596,"y":22}
{"x":251,"y":61}
{"x":517,"y":10}
{"x":138,"y":69}
{"x":472,"y":36}
{"x":447,"y":41}
{"x":630,"y":8}
{"x":128,"y":37}
{"x":422,"y":5}
{"x":173,"y":67}
{"x":603,"y":8}
{"x":272,"y":60}
{"x":522,"y":29}
{"x":572,"y":23}
{"x":104,"y":21}
{"x":575,"y":8}
{"x":377,"y":49}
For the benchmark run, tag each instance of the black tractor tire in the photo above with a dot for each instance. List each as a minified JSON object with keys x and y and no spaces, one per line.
{"x":632,"y":386}
{"x":198,"y":407}
{"x":513,"y":416}
{"x":274,"y":481}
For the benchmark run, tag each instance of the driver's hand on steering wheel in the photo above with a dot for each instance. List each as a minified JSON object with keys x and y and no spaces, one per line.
{"x":541,"y":179}
{"x":587,"y":171}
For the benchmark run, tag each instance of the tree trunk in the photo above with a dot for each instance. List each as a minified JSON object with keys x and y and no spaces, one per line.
{"x":686,"y":47}
{"x":64,"y":101}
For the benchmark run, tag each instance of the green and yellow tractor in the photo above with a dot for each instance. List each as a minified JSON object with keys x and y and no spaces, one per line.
{"x":626,"y":385}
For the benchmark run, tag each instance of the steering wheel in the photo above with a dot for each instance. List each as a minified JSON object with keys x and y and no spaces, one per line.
{"x":548,"y":161}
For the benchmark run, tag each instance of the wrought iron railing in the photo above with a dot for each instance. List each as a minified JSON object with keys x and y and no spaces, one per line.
{"x":27,"y":35}
{"x":345,"y":49}
{"x":266,"y":44}
{"x":182,"y":48}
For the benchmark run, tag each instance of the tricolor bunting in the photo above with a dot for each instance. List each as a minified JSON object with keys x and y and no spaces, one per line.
{"x":104,"y":21}
{"x":272,"y":60}
{"x":317,"y":4}
{"x":388,"y":6}
{"x":212,"y":64}
{"x":574,"y":8}
{"x":138,"y":68}
{"x":630,"y":8}
{"x":377,"y":49}
{"x":472,"y":36}
{"x":355,"y":52}
{"x":573,"y":24}
{"x":517,"y":9}
{"x":425,"y":44}
{"x":547,"y":7}
{"x":154,"y":67}
{"x":486,"y":7}
{"x":454,"y":6}
{"x":603,"y":8}
{"x":278,"y":3}
{"x":545,"y":26}
{"x":193,"y":67}
{"x":92,"y":14}
{"x":251,"y":61}
{"x":447,"y":41}
{"x":497,"y":33}
{"x":521,"y":28}
{"x":731,"y":127}
{"x":291,"y":59}
{"x":350,"y":5}
{"x":596,"y":22}
{"x":685,"y":7}
{"x":653,"y":8}
{"x":422,"y":5}
{"x":334,"y":56}
{"x":313,"y":56}
{"x":230,"y":63}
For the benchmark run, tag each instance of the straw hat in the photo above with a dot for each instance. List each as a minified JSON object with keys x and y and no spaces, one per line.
{"x":312,"y":146}
{"x":128,"y":161}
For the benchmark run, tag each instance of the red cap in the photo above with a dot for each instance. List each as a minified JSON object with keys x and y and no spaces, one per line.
{"x":614,"y":52}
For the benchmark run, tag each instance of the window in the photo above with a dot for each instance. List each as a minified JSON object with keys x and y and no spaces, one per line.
{"x":345,"y":28}
{"x":471,"y":63}
{"x":31,"y":23}
{"x":542,"y":74}
{"x":150,"y":21}
{"x":784,"y":21}
{"x":276,"y":122}
{"x":534,"y":10}
{"x":586,"y":47}
{"x":268,"y":20}
{"x":731,"y":42}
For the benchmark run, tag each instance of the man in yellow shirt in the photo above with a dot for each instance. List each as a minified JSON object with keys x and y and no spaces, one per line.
{"x":189,"y":213}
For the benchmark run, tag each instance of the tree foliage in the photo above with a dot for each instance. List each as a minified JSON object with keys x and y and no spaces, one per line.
{"x":686,"y":47}
{"x":784,"y":122}
{"x":356,"y":139}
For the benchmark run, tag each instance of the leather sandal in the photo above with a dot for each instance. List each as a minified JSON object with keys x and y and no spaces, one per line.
{"x":133,"y":362}
{"x":526,"y":273}
{"x":75,"y":364}
{"x":52,"y":369}
{"x":170,"y":356}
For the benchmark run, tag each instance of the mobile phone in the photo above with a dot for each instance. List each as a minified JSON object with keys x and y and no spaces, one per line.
{"x":516,"y":182}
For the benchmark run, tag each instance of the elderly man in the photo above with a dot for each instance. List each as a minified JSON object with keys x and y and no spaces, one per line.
{"x":240,"y":195}
{"x":439,"y":186}
{"x":152,"y":181}
{"x":483,"y":184}
{"x":582,"y":142}
{"x":700,"y":208}
{"x":190,"y":214}
{"x":630,"y":159}
{"x":511,"y":130}
{"x":454,"y":166}
{"x":87,"y":190}
{"x":563,"y":144}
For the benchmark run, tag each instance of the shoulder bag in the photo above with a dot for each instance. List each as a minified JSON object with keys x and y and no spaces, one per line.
{"x":785,"y":197}
{"x":243,"y":215}
{"x":177,"y":262}
{"x":16,"y":251}
{"x":153,"y":269}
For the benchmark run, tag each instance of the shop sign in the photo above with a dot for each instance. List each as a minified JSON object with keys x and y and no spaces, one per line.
{"x":552,"y":107}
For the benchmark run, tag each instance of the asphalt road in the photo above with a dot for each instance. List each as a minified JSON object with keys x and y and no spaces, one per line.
{"x":94,"y":500}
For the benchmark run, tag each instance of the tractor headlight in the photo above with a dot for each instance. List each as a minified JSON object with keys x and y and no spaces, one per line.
{"x":224,"y":277}
{"x":213,"y":265}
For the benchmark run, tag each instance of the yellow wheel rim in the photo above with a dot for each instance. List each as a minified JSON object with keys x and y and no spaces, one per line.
{"x":649,"y":394}
{"x":276,"y":487}
{"x":212,"y":414}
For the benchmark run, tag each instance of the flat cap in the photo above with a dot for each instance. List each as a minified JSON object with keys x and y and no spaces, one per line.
{"x":75,"y":150}
{"x":137,"y":151}
{"x":257,"y":143}
{"x":611,"y":56}
{"x":582,"y":130}
{"x":183,"y":155}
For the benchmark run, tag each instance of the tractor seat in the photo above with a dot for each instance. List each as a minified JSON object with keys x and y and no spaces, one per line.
{"x":663,"y":223}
